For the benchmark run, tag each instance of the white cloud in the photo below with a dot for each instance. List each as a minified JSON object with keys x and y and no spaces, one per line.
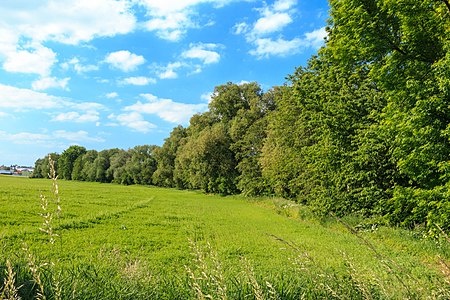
{"x":202,"y":52}
{"x":315,"y":39}
{"x":48,"y":139}
{"x":140,"y":80}
{"x":33,"y":59}
{"x":168,"y":72}
{"x":166,"y":109}
{"x":170,"y":27}
{"x":90,"y":116}
{"x":78,"y":67}
{"x":76,"y":136}
{"x":242,"y":82}
{"x":19,"y":99}
{"x":241,"y":28}
{"x":86,"y":106}
{"x":68,"y":21}
{"x":273,"y":19}
{"x":207,"y":97}
{"x":191,"y":60}
{"x":50,"y":82}
{"x":25,"y":27}
{"x":133,"y":120}
{"x":171,"y":19}
{"x":24,"y":138}
{"x":112,"y":95}
{"x":271,"y":22}
{"x":267,"y":47}
{"x":282,"y":5}
{"x":25,"y":99}
{"x":9,"y":40}
{"x":124,"y":60}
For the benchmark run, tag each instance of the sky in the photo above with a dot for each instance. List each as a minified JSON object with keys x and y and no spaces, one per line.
{"x":108,"y":74}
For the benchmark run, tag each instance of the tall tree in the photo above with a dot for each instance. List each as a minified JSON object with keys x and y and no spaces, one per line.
{"x":206,"y":161}
{"x":165,"y":158}
{"x":67,"y":160}
{"x":141,"y":164}
{"x":404,"y":45}
{"x":248,"y":132}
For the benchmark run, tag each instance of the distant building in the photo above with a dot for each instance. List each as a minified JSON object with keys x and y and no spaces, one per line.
{"x":16,"y":170}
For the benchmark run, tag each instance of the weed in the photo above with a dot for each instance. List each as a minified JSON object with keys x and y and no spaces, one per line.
{"x":47,"y":214}
{"x":9,"y":291}
{"x":206,"y":277}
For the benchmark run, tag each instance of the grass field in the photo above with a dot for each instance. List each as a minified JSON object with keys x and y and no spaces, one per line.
{"x":135,"y":242}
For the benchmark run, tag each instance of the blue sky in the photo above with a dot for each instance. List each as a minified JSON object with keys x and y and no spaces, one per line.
{"x":119,"y":73}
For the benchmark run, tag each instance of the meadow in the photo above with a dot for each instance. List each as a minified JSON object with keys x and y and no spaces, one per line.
{"x":137,"y":242}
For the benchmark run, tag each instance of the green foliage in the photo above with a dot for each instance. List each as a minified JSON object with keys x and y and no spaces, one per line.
{"x":165,"y":158}
{"x":67,"y":160}
{"x":205,"y":161}
{"x":41,"y":166}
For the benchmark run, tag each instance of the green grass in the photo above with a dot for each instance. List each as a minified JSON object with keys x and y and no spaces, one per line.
{"x":135,"y":242}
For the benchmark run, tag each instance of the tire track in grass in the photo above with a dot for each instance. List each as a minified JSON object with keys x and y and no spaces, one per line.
{"x":102,"y":217}
{"x":77,"y":223}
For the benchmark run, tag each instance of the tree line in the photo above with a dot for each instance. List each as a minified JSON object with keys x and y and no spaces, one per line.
{"x":363,"y":128}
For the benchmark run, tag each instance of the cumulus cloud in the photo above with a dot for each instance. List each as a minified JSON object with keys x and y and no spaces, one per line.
{"x":25,"y":28}
{"x":76,"y":136}
{"x":266,"y":47}
{"x":169,"y":71}
{"x":68,"y":21}
{"x":172,"y":26}
{"x":18,"y":99}
{"x":25,"y":99}
{"x":191,"y":60}
{"x":86,"y":106}
{"x":241,"y":28}
{"x":315,"y":39}
{"x":73,"y":116}
{"x":166,"y":109}
{"x":133,"y":120}
{"x":48,"y":139}
{"x":78,"y":67}
{"x":272,"y":20}
{"x":170,"y":20}
{"x":282,"y":5}
{"x":124,"y":60}
{"x":202,"y":52}
{"x":112,"y":95}
{"x":207,"y":97}
{"x":24,"y":137}
{"x":50,"y":82}
{"x":140,"y":80}
{"x":35,"y":59}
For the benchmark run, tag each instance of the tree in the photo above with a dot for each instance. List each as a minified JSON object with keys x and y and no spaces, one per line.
{"x":165,"y":158}
{"x":141,"y":164}
{"x":118,"y":168}
{"x":206,"y":161}
{"x":248,"y":132}
{"x":67,"y":160}
{"x":404,"y":46}
{"x":42,"y":166}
